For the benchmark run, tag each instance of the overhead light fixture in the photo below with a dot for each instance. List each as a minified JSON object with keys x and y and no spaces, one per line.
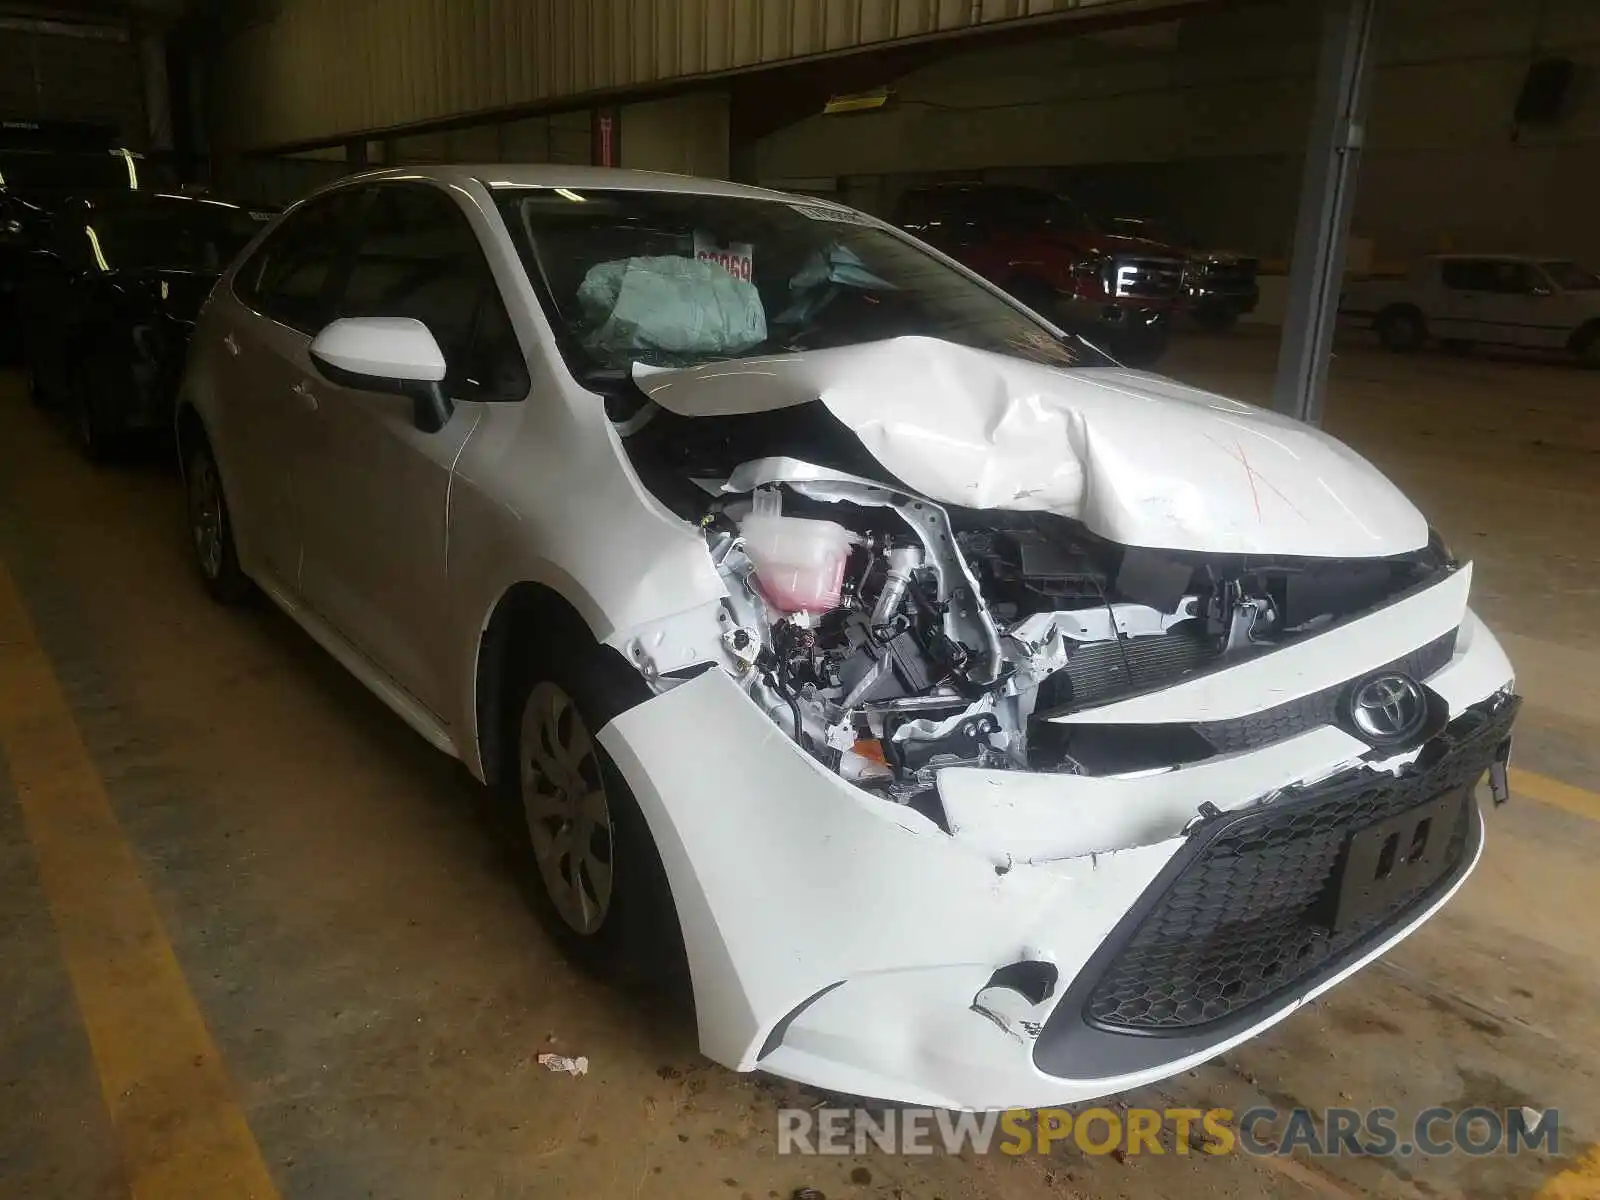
{"x":849,"y":102}
{"x":571,"y":195}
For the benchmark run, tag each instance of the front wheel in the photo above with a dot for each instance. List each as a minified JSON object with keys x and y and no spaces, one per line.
{"x":1036,"y":293}
{"x":1216,"y":319}
{"x":89,"y":407}
{"x":211,"y":529}
{"x":1402,"y":330}
{"x":586,"y":856}
{"x":1587,"y":346}
{"x":1144,"y":347}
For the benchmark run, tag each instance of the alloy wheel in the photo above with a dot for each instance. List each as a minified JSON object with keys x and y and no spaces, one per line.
{"x":565,"y":807}
{"x":205,"y":515}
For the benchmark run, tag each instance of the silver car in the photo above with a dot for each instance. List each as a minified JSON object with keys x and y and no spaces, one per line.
{"x":980,"y":723}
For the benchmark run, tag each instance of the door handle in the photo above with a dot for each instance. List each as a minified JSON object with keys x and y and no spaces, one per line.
{"x":306,"y":395}
{"x":232,"y":344}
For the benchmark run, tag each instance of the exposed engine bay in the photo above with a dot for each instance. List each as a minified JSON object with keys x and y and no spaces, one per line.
{"x":892,"y":637}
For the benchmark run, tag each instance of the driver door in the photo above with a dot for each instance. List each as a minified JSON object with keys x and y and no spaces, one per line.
{"x":1522,"y":309}
{"x":374,"y":488}
{"x":280,"y":299}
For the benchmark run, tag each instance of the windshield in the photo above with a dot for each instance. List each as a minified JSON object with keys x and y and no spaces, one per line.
{"x":1048,"y":210}
{"x":1570,"y":277}
{"x":673,"y":278}
{"x":195,"y":235}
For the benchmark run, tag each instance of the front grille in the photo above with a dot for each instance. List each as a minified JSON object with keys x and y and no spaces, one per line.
{"x":1144,"y":278}
{"x":1096,"y":675}
{"x":1250,"y":911}
{"x":1286,"y":720}
{"x":1232,"y":273}
{"x":1101,"y":671}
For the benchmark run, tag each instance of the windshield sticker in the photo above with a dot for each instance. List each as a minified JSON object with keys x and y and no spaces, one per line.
{"x":737,"y":258}
{"x":828,"y":212}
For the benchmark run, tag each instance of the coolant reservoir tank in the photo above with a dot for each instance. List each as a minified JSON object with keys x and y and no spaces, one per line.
{"x":799,"y":562}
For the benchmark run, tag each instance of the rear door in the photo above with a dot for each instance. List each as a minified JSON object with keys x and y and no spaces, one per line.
{"x":53,"y":278}
{"x":1458,"y":311}
{"x":374,"y":487}
{"x":283,"y":296}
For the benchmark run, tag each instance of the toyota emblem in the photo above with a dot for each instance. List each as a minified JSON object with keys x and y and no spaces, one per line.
{"x":1389,"y":708}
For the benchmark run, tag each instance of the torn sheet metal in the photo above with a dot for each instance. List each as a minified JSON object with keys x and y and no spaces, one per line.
{"x":1138,"y":459}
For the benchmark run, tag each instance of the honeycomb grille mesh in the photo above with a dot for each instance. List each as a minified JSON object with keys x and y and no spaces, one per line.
{"x":1252,"y":913}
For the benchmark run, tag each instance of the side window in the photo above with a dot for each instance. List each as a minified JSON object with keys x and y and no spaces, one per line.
{"x":1514,"y":278}
{"x":1467,"y":275}
{"x":417,"y":256}
{"x":289,"y":277}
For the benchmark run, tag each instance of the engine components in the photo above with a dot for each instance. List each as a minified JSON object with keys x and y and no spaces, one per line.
{"x":863,"y":617}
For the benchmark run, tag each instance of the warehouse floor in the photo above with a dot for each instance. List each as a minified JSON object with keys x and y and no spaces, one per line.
{"x":255,"y":939}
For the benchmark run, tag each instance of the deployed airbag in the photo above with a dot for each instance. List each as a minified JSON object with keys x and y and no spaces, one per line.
{"x":669,"y":306}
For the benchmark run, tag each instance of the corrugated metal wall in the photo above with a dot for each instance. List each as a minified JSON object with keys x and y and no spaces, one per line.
{"x":322,"y":68}
{"x":64,"y":73}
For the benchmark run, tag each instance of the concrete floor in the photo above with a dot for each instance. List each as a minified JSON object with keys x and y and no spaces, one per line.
{"x":354,"y":995}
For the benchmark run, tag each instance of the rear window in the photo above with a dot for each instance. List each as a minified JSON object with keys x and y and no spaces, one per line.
{"x":184,"y":235}
{"x":46,"y":171}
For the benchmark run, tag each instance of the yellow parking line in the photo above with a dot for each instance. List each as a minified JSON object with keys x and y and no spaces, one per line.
{"x":1544,"y":790}
{"x":1581,"y":1182}
{"x":180,"y":1130}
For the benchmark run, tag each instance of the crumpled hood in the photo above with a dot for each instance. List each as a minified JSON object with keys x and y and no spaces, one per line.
{"x":1139,"y":459}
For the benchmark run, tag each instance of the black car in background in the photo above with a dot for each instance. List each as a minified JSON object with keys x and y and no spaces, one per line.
{"x":42,"y":163}
{"x":108,"y":300}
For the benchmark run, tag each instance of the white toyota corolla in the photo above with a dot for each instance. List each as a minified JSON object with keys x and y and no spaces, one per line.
{"x":983,"y":723}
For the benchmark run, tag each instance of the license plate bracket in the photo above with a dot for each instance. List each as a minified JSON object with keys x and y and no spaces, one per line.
{"x":1402,"y":854}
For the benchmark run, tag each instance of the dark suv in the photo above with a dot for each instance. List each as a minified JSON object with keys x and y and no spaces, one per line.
{"x":41,"y":164}
{"x":1047,"y":252}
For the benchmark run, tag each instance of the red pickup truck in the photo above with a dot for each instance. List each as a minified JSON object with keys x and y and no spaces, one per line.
{"x":1121,"y":292}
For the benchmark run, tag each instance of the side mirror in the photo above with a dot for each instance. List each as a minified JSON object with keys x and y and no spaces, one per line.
{"x":398,"y":355}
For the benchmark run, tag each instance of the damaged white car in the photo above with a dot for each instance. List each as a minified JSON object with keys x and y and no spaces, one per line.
{"x":984,"y":724}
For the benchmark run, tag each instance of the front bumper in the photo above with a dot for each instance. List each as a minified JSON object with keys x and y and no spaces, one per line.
{"x":1240,"y":300}
{"x":857,"y":946}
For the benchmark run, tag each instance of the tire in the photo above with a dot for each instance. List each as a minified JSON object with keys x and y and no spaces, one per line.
{"x":1036,"y":293}
{"x":1586,"y":345}
{"x":211,"y":528}
{"x":1216,"y":319}
{"x":1144,"y":348}
{"x":100,"y":438}
{"x":37,"y":393}
{"x":582,"y":849}
{"x":1402,"y":329}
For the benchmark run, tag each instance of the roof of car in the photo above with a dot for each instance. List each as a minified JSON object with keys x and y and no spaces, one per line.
{"x":111,"y":199}
{"x":552,"y":175}
{"x":1499,"y":258}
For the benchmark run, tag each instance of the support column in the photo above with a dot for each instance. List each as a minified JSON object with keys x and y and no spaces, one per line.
{"x":1327,"y":196}
{"x":157,"y":90}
